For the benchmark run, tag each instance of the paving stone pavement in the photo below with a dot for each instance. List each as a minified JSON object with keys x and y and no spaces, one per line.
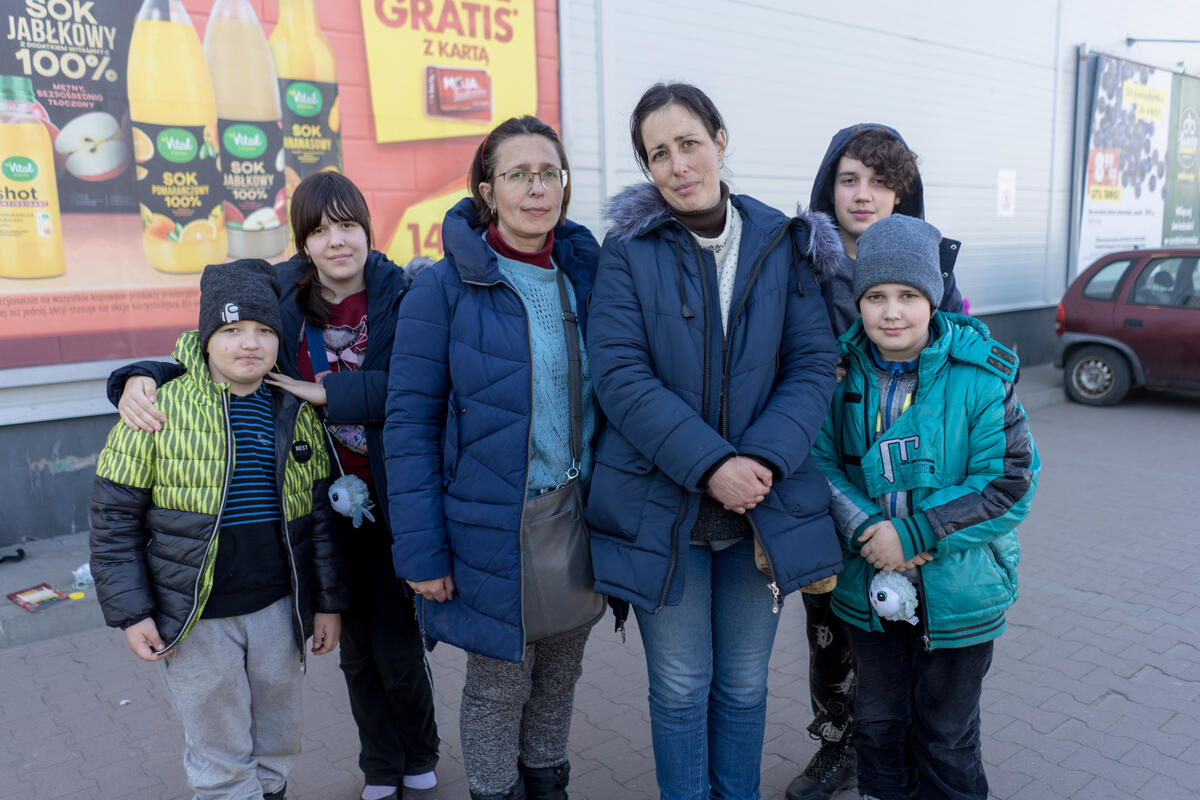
{"x":1094,"y":692}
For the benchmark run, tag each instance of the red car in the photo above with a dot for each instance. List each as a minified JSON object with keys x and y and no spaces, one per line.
{"x":1131,"y":319}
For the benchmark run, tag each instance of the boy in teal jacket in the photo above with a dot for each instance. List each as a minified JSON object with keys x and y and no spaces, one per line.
{"x":932,"y":466}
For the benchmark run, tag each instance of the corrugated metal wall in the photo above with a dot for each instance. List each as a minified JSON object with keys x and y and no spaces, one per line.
{"x":974,"y":88}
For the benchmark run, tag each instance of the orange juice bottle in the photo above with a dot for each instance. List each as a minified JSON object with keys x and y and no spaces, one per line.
{"x":31,"y":242}
{"x":312,"y":119}
{"x":248,"y":125}
{"x":175,"y":141}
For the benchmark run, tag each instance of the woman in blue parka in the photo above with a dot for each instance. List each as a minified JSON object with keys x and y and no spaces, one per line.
{"x":713,"y":362}
{"x":477,"y":423}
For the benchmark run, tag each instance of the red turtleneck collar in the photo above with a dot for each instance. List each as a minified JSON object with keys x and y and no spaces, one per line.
{"x":539,"y":259}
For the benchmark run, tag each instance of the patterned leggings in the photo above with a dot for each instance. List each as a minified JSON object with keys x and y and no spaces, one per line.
{"x":518,"y":711}
{"x":830,"y":670}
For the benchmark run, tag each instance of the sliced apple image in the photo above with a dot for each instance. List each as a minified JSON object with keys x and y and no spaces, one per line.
{"x":261,"y":220}
{"x":93,"y":147}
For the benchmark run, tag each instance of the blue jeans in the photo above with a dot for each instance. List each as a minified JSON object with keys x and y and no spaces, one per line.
{"x":916,"y":716}
{"x":707,"y":662}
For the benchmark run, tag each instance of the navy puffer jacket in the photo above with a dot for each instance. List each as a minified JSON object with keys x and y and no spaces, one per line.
{"x":457,"y":432}
{"x":679,"y":396}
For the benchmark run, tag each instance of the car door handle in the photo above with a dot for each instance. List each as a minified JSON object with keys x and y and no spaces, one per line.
{"x":1133,"y":323}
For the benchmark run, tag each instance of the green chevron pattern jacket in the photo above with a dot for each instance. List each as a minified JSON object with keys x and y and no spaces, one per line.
{"x":157,"y":503}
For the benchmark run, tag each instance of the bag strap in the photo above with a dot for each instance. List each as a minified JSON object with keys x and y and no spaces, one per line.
{"x":574,"y":375}
{"x":314,"y":339}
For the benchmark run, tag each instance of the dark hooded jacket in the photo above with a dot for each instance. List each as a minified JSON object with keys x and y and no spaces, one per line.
{"x":357,"y":397}
{"x":912,"y":205}
{"x":679,"y":397}
{"x":459,"y":412}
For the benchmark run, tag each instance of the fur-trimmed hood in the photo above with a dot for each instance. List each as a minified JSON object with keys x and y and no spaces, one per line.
{"x":640,"y":208}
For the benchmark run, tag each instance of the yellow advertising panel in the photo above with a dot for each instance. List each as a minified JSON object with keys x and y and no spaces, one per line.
{"x":419,"y":231}
{"x":446,"y":68}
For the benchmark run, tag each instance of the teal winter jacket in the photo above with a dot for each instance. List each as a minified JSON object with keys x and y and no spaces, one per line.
{"x":964,"y":452}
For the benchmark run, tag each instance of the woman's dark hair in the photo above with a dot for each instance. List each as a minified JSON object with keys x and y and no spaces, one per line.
{"x":336,"y":197}
{"x":888,"y":157}
{"x":664,"y":94}
{"x":484,"y":163}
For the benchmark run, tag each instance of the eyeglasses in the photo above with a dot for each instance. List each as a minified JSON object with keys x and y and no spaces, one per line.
{"x":551,"y":178}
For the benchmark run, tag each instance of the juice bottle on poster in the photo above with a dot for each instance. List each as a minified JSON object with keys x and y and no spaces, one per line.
{"x":175,"y":141}
{"x":248,"y":127}
{"x":312,"y":119}
{"x":31,"y":242}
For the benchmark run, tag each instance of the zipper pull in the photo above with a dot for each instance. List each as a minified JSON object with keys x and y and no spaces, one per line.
{"x":775,"y":601}
{"x":925,"y":639}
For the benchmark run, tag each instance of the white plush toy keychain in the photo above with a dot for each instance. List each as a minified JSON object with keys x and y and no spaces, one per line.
{"x":350,"y":497}
{"x":893,"y":597}
{"x":349,"y":494}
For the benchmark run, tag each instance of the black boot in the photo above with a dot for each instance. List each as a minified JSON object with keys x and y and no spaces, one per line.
{"x":833,"y":768}
{"x":546,"y":783}
{"x":517,"y":792}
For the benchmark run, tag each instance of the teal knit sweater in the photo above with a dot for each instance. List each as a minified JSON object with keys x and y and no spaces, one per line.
{"x":550,"y":437}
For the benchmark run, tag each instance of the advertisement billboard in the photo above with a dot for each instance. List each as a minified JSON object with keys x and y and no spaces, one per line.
{"x":143,"y":139}
{"x":1141,"y":187}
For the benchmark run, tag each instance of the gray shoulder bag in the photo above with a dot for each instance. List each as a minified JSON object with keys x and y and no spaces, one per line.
{"x":556,"y":561}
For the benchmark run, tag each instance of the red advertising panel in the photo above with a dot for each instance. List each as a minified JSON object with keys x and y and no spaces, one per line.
{"x":143,"y":139}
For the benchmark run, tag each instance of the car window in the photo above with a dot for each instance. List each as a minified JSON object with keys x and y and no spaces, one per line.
{"x":1192,"y":298}
{"x":1103,"y":285}
{"x":1166,"y":282}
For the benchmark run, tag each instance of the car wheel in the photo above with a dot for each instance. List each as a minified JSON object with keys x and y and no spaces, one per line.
{"x":1096,"y":376}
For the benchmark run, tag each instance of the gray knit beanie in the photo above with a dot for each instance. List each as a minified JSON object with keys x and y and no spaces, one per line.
{"x":246,"y":289}
{"x":900,"y":249}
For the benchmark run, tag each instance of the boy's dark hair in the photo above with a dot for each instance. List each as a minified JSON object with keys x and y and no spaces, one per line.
{"x":888,"y":157}
{"x":336,"y":197}
{"x":664,"y":94}
{"x":484,"y":162}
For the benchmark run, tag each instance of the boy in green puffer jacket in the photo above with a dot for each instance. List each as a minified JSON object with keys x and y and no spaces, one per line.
{"x":932,"y":466}
{"x":213,"y":544}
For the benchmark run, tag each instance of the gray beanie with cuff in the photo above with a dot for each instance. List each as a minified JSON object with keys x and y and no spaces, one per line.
{"x":900,"y":249}
{"x":246,"y":289}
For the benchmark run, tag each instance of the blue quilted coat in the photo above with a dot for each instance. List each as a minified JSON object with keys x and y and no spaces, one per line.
{"x":679,"y":396}
{"x":457,"y":432}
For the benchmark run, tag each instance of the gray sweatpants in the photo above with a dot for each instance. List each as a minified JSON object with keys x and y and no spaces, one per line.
{"x":522,"y":711}
{"x":236,"y":686}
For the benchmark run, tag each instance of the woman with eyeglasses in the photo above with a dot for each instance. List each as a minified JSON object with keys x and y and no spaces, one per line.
{"x":478,"y":426}
{"x":714,"y":365}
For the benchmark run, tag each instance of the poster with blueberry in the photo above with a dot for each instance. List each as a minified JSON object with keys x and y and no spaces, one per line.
{"x":1128,"y":148}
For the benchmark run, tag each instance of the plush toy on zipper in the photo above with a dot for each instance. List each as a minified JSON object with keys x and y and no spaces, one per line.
{"x":349,"y":497}
{"x":893,"y":597}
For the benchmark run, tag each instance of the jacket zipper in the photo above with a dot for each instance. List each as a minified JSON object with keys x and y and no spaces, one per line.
{"x":734,"y":315}
{"x":723,"y":414}
{"x":187,"y":623}
{"x":925,"y":614}
{"x":528,"y":444}
{"x":287,"y":541}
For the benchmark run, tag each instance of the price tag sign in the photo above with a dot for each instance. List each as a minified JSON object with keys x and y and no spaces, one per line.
{"x":419,"y":231}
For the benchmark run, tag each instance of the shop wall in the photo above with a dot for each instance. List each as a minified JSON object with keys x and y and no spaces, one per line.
{"x":976,"y":90}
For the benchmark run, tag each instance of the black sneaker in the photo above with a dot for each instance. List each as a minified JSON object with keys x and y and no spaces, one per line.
{"x":832,"y":768}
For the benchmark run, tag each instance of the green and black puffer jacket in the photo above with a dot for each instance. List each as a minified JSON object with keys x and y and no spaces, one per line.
{"x":158,"y":498}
